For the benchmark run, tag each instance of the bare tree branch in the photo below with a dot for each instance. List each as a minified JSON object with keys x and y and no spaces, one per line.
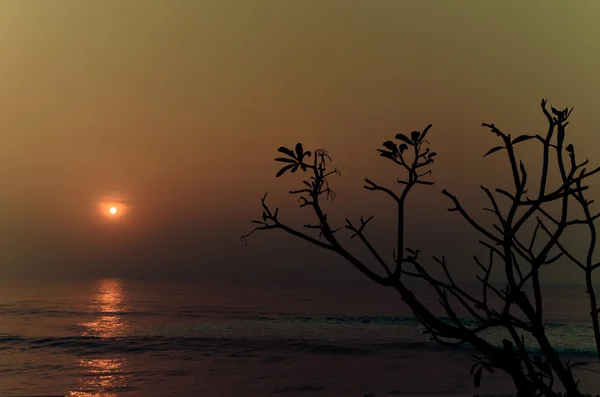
{"x":519,"y":259}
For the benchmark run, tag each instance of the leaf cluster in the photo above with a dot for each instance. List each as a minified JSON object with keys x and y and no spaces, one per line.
{"x":294,"y":160}
{"x":396,"y":151}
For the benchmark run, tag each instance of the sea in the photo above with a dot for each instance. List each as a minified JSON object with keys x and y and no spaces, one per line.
{"x":123,"y":338}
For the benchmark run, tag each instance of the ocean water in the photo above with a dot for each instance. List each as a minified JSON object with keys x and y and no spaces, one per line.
{"x":113,"y":337}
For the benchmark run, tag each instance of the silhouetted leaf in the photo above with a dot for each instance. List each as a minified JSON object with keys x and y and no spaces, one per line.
{"x":284,"y":169}
{"x":259,"y":222}
{"x":390,"y":145}
{"x":494,"y":149}
{"x":507,"y":345}
{"x":287,"y":151}
{"x":295,"y":168}
{"x":522,"y":138}
{"x":489,"y":368}
{"x":404,"y":138}
{"x":432,"y":154}
{"x":299,"y":150}
{"x":570,"y":148}
{"x":425,"y":132}
{"x":307,"y":184}
{"x":402,"y":147}
{"x":284,"y":160}
{"x":546,"y":368}
{"x":473,"y":368}
{"x":415,"y":136}
{"x":308,"y":153}
{"x":578,"y":363}
{"x":477,"y":378}
{"x":385,"y":153}
{"x":303,"y":166}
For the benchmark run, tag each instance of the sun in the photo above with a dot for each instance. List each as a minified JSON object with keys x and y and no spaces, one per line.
{"x":114,"y":209}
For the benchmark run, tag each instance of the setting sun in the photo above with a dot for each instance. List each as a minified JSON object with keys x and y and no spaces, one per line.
{"x":113,"y":208}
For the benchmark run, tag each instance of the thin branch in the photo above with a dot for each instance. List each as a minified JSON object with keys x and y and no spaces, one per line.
{"x":468,"y":218}
{"x":359,"y":232}
{"x":373,"y":186}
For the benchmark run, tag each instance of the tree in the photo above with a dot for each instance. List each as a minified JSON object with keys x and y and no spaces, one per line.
{"x":524,"y":239}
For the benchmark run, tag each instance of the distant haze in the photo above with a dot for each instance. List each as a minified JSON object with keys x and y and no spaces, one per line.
{"x":175,"y":109}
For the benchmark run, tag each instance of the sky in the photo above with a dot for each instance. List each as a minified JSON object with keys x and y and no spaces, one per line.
{"x":175,"y":109}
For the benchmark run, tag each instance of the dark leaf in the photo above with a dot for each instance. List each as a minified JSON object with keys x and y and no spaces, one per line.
{"x":508,"y":345}
{"x":415,"y":136}
{"x":546,"y":368}
{"x":299,"y":150}
{"x":402,"y":147}
{"x":284,"y":160}
{"x":410,"y":251}
{"x":259,"y":222}
{"x":569,"y":148}
{"x":404,"y":138}
{"x":494,"y":149}
{"x":287,"y":151}
{"x":295,"y":168}
{"x":390,"y":145}
{"x":308,"y":153}
{"x":522,"y":138}
{"x":385,"y":153}
{"x":307,"y":184}
{"x":577,"y":364}
{"x":284,"y":169}
{"x":425,"y":132}
{"x":477,"y":378}
{"x":432,"y":154}
{"x":473,"y":368}
{"x":303,"y":166}
{"x":489,"y":368}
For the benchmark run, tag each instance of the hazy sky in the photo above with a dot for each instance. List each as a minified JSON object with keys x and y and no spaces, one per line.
{"x":176,"y":108}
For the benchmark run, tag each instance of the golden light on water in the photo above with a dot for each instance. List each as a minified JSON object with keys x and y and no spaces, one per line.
{"x":110,"y":304}
{"x":102,"y":377}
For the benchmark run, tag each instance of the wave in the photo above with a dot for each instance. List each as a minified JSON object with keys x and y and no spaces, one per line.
{"x":393,"y":320}
{"x":329,"y":334}
{"x":83,"y":345}
{"x":241,"y":346}
{"x":206,"y":312}
{"x":13,"y":309}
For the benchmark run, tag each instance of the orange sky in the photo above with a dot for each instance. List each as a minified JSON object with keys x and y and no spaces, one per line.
{"x":178,"y":106}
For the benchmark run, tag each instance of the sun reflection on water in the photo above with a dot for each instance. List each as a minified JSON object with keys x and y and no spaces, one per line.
{"x":109,"y":302}
{"x":102,"y":377}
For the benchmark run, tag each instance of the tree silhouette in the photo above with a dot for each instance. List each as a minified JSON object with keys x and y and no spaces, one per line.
{"x":515,"y":251}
